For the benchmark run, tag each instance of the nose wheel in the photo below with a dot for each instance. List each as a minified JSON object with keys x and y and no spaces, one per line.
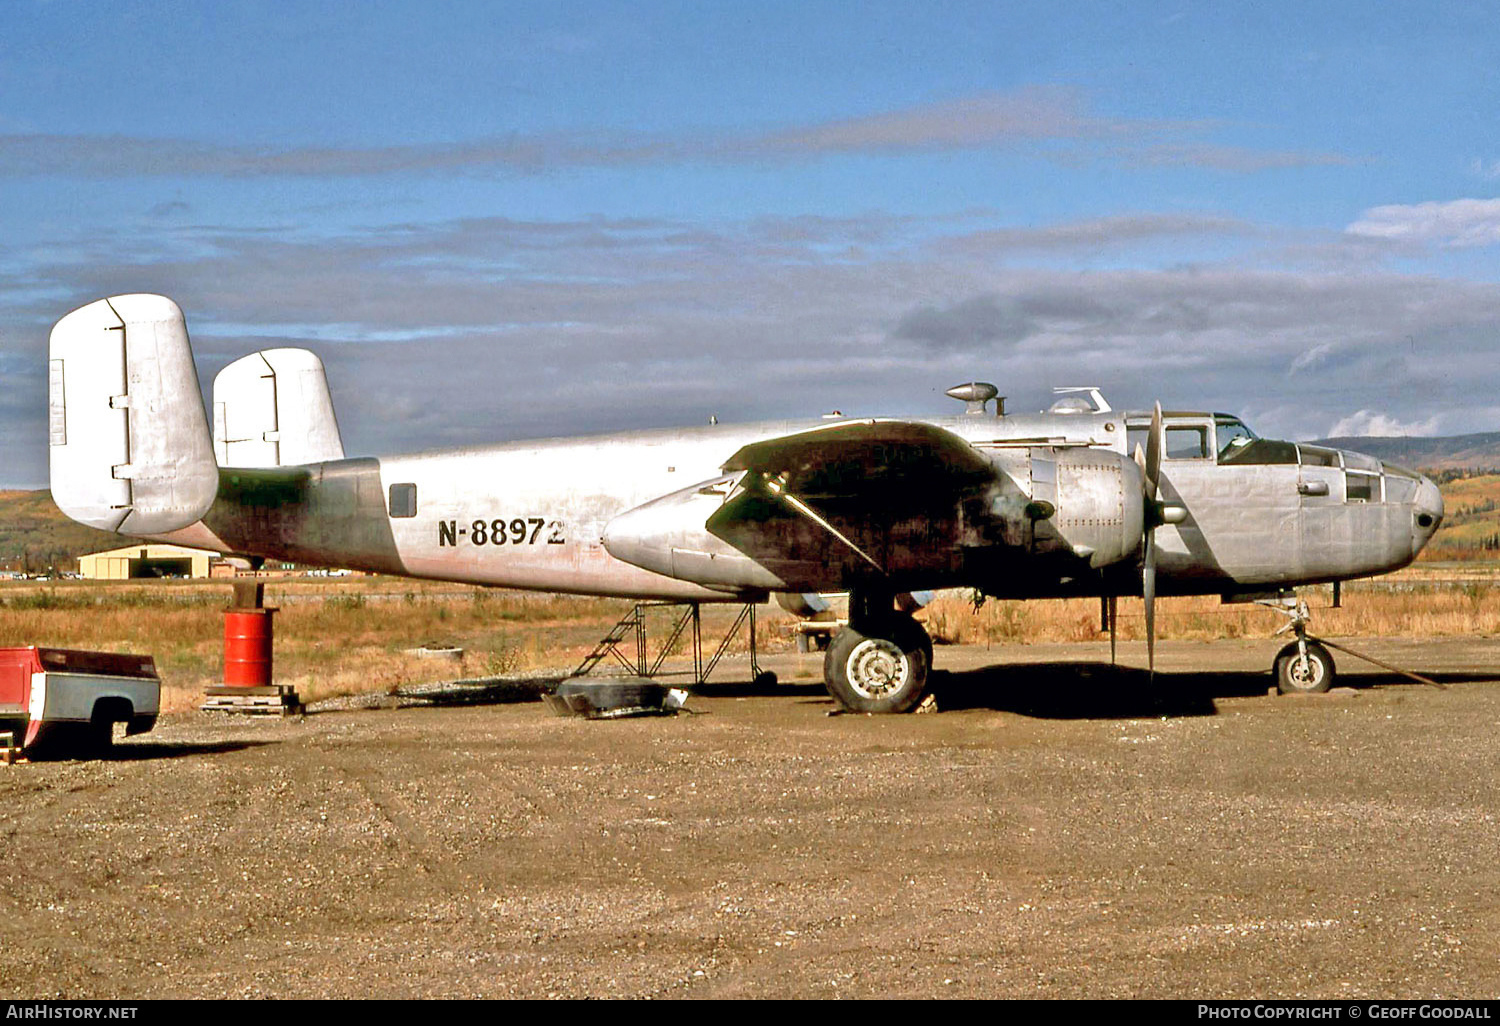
{"x":1303,"y":666}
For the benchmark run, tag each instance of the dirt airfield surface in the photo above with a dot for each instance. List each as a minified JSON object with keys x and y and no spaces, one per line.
{"x":1050,"y":832}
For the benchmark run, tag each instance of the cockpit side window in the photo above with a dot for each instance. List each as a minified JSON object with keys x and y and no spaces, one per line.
{"x":1187,"y":442}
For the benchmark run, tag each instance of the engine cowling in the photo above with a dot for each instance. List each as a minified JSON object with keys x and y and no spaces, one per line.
{"x":1096,"y":501}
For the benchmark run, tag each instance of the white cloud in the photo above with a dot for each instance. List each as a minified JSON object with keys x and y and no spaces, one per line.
{"x":1462,"y":222}
{"x":1489,"y":169}
{"x":1379,"y":425}
{"x":1312,"y":358}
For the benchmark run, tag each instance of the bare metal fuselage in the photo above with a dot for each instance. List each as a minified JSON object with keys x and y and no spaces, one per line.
{"x":535,"y":514}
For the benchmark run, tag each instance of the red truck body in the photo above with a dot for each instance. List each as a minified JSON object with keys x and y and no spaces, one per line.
{"x":49,"y":690}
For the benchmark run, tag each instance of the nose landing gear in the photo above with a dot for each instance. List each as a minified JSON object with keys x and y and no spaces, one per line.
{"x":1304,"y":666}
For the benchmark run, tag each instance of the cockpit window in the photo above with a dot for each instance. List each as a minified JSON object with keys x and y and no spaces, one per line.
{"x":1259,"y":451}
{"x":1233,"y":435}
{"x":1240,"y":446}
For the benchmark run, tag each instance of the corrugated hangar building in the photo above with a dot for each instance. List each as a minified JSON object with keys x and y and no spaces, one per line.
{"x":146,"y":560}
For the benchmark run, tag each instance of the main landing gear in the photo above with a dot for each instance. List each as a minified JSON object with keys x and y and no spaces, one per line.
{"x":880,"y":662}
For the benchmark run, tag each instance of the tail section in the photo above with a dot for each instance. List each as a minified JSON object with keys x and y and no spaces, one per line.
{"x":273,"y":409}
{"x":130,"y":447}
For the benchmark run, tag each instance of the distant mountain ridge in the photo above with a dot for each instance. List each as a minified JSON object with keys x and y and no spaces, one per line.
{"x":1450,"y":452}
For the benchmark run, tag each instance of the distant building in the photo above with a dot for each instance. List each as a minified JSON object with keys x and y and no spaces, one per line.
{"x":146,"y":560}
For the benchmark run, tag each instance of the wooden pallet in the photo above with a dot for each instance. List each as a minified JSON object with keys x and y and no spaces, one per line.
{"x":10,"y":752}
{"x":276,"y":700}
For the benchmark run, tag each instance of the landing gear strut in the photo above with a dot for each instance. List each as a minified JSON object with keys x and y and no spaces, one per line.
{"x":1304,"y":666}
{"x":879,"y":663}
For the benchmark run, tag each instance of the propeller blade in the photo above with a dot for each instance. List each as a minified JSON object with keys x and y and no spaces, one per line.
{"x":1155,"y":443}
{"x":1148,"y":592}
{"x":1112,"y":609}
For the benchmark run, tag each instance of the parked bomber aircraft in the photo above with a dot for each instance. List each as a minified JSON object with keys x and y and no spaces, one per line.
{"x":1082,"y":500}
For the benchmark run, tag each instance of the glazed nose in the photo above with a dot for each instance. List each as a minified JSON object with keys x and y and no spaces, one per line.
{"x":1427,"y":512}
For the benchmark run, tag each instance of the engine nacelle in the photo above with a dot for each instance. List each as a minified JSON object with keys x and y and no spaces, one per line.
{"x":1096,"y":503}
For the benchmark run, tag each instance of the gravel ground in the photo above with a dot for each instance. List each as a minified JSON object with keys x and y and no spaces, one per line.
{"x":1051,"y":832}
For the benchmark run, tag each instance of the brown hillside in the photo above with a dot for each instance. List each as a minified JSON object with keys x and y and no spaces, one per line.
{"x":35,"y":535}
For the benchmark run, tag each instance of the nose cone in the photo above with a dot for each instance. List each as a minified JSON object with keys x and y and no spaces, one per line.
{"x":1427,"y":514}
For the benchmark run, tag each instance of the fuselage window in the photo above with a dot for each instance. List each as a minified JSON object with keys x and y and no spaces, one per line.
{"x":1312,"y":456}
{"x":403,"y":500}
{"x":1362,"y":487}
{"x":1400,"y":487}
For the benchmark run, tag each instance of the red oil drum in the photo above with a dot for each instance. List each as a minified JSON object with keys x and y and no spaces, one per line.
{"x":247,"y":647}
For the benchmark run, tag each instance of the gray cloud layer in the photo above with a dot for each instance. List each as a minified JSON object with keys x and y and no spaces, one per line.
{"x":485,"y":329}
{"x":1024,"y":117}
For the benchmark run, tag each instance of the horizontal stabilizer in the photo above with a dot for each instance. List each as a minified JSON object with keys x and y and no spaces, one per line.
{"x":273,"y":409}
{"x":130,"y":448}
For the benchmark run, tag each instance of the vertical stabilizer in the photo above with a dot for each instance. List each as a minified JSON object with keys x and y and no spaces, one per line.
{"x":130,"y":448}
{"x":273,"y":409}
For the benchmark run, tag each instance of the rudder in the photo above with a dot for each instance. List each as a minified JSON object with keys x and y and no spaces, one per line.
{"x":129,"y":447}
{"x":273,"y":409}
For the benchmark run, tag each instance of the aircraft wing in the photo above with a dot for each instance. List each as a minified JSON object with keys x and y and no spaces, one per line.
{"x":852,"y":499}
{"x":871,"y":453}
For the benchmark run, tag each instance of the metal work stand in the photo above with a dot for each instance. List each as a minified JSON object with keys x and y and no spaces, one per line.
{"x":633,"y":625}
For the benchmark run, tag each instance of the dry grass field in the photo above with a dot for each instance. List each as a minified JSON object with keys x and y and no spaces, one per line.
{"x":332,"y":637}
{"x":352,"y":635}
{"x":1428,"y":600}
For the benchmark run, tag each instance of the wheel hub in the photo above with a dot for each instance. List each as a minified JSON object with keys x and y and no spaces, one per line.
{"x":878,"y":668}
{"x":1306,"y":672}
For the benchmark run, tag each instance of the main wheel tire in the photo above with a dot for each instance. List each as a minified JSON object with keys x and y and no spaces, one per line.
{"x":880,"y":669}
{"x":1293,"y":678}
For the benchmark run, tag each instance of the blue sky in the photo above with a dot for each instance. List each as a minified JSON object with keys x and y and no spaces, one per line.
{"x":499,"y":221}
